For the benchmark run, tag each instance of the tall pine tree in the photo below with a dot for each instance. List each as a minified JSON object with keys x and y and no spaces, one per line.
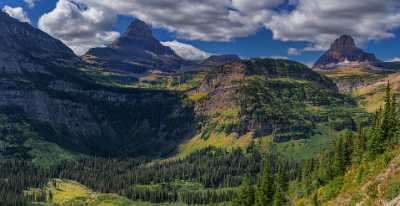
{"x":265,"y":187}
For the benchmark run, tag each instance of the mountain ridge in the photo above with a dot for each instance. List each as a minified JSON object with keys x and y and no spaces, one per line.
{"x":136,"y":51}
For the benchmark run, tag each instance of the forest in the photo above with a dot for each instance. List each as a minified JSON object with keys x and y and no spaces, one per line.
{"x":242,"y":177}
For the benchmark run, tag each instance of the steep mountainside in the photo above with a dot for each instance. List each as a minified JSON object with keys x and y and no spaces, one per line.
{"x":342,"y":50}
{"x":135,"y":51}
{"x":265,"y":97}
{"x":19,"y":53}
{"x":46,"y":97}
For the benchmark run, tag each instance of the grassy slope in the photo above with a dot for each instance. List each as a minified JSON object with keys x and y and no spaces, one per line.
{"x":217,"y":131}
{"x":370,"y":183}
{"x":365,"y":84}
{"x":70,"y":193}
{"x":371,"y":96}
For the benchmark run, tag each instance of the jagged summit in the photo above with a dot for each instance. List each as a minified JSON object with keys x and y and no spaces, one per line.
{"x":344,"y":49}
{"x":137,"y":50}
{"x":343,"y":42}
{"x":138,"y":28}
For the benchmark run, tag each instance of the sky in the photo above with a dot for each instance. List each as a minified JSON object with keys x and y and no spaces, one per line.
{"x":295,"y":29}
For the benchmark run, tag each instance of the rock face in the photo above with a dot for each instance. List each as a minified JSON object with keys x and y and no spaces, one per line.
{"x":218,"y":60}
{"x":266,"y":97}
{"x":135,"y":51}
{"x":342,"y":50}
{"x":24,"y":47}
{"x":39,"y":82}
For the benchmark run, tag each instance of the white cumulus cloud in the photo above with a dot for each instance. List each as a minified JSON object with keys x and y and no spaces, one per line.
{"x":186,"y":51}
{"x":319,"y":22}
{"x":78,"y":26}
{"x":316,"y":22}
{"x":294,"y":51}
{"x":396,"y":59}
{"x":17,"y":12}
{"x":31,"y":3}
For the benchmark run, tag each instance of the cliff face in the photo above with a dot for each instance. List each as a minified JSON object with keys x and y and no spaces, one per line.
{"x":39,"y":80}
{"x":344,"y":49}
{"x":266,"y":97}
{"x":136,"y":51}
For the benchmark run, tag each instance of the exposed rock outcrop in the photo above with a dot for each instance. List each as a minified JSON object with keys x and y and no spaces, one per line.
{"x":342,"y":50}
{"x":40,"y":81}
{"x":136,"y":51}
{"x":262,"y":92}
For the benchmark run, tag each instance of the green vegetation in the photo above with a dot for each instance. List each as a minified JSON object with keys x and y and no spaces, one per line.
{"x":21,"y":139}
{"x":392,"y":191}
{"x":68,"y":193}
{"x":351,"y":160}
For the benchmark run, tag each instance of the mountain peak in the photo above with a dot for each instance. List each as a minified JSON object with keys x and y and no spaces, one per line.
{"x":344,"y":50}
{"x":343,"y":42}
{"x":137,"y":50}
{"x":138,"y":28}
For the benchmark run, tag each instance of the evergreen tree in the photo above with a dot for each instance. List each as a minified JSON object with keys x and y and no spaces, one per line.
{"x":360,"y":145}
{"x":280,"y":188}
{"x":265,"y":187}
{"x":385,"y":125}
{"x":245,"y":196}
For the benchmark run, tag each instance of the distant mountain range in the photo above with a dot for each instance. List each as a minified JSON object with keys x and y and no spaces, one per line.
{"x":135,"y":51}
{"x":138,"y":51}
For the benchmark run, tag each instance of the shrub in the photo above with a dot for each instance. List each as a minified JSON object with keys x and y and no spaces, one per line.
{"x":392,"y":191}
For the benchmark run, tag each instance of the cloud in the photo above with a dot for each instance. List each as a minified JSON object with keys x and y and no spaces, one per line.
{"x":186,"y":51}
{"x":395,"y":59}
{"x":316,"y":22}
{"x":319,"y":22}
{"x":207,"y":20}
{"x":78,"y":26}
{"x":17,"y":12}
{"x":31,"y":3}
{"x":294,"y":51}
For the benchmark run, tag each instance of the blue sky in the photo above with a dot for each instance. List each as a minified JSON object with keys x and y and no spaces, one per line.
{"x":258,"y":42}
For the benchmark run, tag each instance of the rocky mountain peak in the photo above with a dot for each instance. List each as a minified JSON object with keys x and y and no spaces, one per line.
{"x":136,"y":51}
{"x":343,"y":51}
{"x":138,"y":28}
{"x":343,"y":42}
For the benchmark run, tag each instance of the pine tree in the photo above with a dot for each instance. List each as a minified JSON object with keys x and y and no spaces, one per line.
{"x":278,"y":199}
{"x":245,"y":196}
{"x":385,"y":125}
{"x":280,"y":188}
{"x":265,"y":187}
{"x":360,"y":145}
{"x":339,"y":163}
